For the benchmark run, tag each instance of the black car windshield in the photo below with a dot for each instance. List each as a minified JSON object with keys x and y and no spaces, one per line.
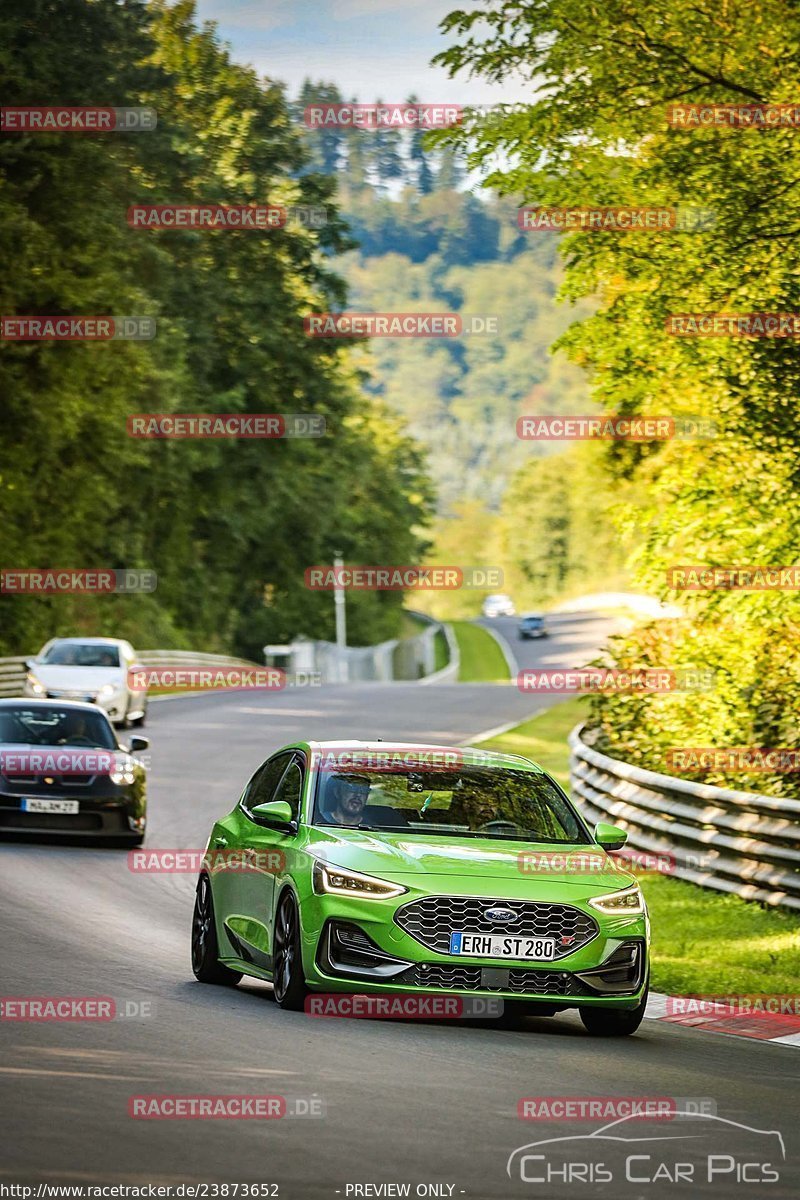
{"x":81,"y":654}
{"x":466,"y":802}
{"x":55,"y":725}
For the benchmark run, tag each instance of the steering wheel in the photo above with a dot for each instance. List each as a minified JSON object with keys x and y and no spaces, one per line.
{"x":499,"y":826}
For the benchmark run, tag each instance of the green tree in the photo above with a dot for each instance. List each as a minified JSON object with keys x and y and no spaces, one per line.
{"x":597,"y":134}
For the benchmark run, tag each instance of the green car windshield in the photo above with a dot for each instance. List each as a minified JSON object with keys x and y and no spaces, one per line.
{"x":466,"y":802}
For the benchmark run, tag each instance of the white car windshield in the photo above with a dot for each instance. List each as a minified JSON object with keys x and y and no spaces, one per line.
{"x":81,"y":654}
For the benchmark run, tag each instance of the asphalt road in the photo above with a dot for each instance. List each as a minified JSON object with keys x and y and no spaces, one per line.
{"x":573,"y":639}
{"x":404,"y":1103}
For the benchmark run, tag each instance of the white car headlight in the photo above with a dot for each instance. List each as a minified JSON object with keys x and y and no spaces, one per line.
{"x":124,"y":770}
{"x":35,"y":686}
{"x":629,"y":900}
{"x":336,"y":881}
{"x":107,"y":689}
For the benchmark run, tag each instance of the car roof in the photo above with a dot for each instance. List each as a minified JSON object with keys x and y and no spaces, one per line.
{"x":494,"y":757}
{"x":92,"y":641}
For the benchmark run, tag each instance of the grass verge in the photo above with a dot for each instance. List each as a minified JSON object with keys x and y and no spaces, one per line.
{"x":482,"y":660}
{"x":703,"y":941}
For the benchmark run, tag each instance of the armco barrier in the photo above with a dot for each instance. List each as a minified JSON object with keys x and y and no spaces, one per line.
{"x":739,"y":842}
{"x":13,"y":670}
{"x":407,"y":658}
{"x":12,"y":676}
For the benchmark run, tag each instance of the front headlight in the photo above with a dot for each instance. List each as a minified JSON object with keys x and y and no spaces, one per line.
{"x":107,"y":689}
{"x":336,"y":881}
{"x":37,"y":688}
{"x":124,"y":770}
{"x":629,"y":900}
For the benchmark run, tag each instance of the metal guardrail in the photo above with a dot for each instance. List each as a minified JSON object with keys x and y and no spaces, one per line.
{"x":189,"y":658}
{"x":12,"y":676}
{"x":738,"y":842}
{"x":407,"y":658}
{"x":13,"y":670}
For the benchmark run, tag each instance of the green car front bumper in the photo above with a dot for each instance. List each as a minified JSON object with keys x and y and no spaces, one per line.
{"x":400,"y":945}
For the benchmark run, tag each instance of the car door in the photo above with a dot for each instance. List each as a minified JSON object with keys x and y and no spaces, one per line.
{"x":270,"y":847}
{"x":238,"y":894}
{"x":247,"y":885}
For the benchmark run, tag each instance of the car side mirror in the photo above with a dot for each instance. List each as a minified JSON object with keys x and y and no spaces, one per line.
{"x":610,"y":837}
{"x":30,"y":663}
{"x":139,"y":743}
{"x":276,"y":813}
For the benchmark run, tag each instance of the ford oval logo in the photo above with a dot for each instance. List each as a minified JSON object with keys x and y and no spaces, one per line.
{"x":500,"y":914}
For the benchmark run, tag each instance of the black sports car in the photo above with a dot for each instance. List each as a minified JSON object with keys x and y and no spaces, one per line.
{"x":63,"y":772}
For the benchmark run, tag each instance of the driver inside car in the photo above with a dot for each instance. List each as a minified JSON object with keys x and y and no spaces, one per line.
{"x":346,"y":799}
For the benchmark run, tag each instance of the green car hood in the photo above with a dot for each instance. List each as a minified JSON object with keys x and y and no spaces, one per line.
{"x":391,"y":855}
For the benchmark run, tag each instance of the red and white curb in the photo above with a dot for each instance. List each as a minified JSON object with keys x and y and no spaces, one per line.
{"x":780,"y":1028}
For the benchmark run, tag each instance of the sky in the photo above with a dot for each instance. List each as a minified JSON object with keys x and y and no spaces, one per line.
{"x":372,"y":49}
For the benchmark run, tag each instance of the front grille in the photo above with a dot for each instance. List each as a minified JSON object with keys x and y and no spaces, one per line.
{"x":430,"y":921}
{"x":30,"y":782}
{"x":468,"y":979}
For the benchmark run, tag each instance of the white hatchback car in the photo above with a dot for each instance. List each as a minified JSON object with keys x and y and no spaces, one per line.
{"x":498,"y":606}
{"x":89,"y":669}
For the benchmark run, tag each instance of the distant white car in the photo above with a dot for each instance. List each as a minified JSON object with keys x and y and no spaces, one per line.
{"x":89,"y":669}
{"x":498,"y":606}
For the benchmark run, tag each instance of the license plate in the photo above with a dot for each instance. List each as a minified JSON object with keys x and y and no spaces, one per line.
{"x":494,"y":945}
{"x":34,"y":804}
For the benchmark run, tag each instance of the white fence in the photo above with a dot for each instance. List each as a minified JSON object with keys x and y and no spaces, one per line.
{"x":411,"y":658}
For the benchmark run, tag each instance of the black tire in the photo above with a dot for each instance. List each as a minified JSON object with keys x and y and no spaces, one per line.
{"x":205,"y":950}
{"x":288,"y":980}
{"x":614,"y":1022}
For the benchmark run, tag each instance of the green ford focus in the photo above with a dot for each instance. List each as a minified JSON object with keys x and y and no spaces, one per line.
{"x":411,"y":869}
